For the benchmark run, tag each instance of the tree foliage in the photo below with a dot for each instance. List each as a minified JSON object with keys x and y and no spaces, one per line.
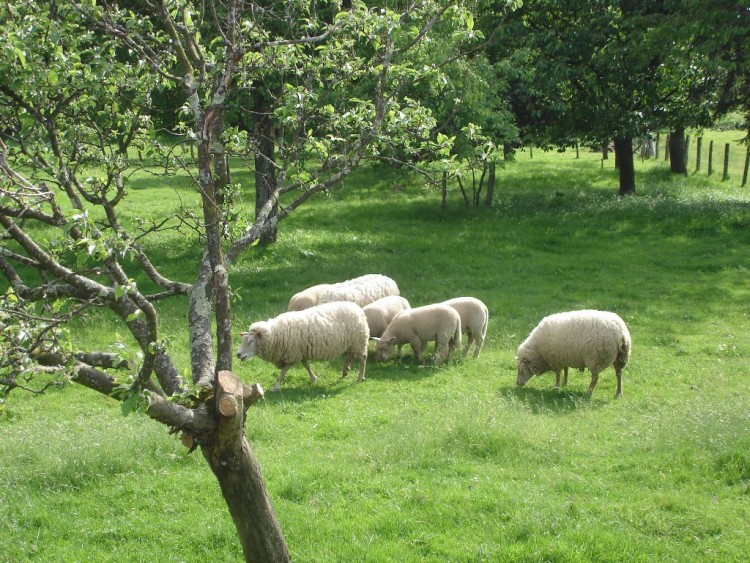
{"x":78,"y":82}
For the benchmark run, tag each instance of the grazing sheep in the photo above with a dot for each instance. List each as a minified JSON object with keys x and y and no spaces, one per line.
{"x":417,"y":327}
{"x":579,"y":339}
{"x":379,"y":313}
{"x":307,"y":298}
{"x":362,"y":290}
{"x":474,"y":318}
{"x":323,"y":332}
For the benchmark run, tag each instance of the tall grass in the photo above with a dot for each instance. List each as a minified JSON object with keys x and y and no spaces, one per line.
{"x":452,"y":463}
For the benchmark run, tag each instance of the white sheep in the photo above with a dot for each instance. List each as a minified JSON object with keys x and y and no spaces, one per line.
{"x":474,"y":319}
{"x":379,"y":313}
{"x":323,"y":332}
{"x":579,"y":339}
{"x":362,"y":290}
{"x":307,"y":298}
{"x":418,"y":326}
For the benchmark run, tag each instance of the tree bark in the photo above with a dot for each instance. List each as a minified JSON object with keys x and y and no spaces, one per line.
{"x":265,"y":164}
{"x":677,"y":151}
{"x":236,"y":468}
{"x":490,"y":186}
{"x":626,"y":165}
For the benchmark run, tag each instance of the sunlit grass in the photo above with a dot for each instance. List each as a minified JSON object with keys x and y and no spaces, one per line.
{"x":452,"y":463}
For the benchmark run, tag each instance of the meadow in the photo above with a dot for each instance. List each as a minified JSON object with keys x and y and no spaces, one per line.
{"x":454,"y":463}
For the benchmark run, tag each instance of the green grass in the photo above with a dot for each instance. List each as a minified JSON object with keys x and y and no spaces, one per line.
{"x":452,"y":463}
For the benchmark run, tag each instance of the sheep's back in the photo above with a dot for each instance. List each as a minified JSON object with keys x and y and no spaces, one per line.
{"x":426,"y":322}
{"x":380,"y":313}
{"x":473,"y":312}
{"x":362,"y":290}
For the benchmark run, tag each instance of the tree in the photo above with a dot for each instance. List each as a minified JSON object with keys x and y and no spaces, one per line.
{"x":77,"y":82}
{"x":604,"y":69}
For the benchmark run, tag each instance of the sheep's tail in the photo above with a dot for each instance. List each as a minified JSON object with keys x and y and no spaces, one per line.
{"x":623,"y":352}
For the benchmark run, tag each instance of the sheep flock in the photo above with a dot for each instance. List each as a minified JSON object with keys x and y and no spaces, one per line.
{"x":331,"y":320}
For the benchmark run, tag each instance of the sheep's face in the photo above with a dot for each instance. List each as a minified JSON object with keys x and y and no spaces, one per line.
{"x":248,"y":345}
{"x":384,"y":349}
{"x":524,"y":371}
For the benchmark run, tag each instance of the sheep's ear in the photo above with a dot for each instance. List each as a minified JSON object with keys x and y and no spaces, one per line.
{"x":375,"y":339}
{"x":392,"y":340}
{"x":243,"y":334}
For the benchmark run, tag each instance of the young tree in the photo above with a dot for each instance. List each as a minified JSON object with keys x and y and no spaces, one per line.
{"x":76,"y":80}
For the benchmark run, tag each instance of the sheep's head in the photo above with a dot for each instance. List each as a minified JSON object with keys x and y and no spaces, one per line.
{"x":524,"y":371}
{"x":384,"y":348}
{"x":250,"y":341}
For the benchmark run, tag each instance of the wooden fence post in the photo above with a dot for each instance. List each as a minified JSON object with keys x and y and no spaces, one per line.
{"x":687,"y":150}
{"x":747,"y":164}
{"x":710,"y":157}
{"x":725,"y":176}
{"x":656,"y":147}
{"x":699,"y":144}
{"x":666,"y":149}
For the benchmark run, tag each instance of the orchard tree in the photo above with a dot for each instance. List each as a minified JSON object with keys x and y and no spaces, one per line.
{"x":76,"y":83}
{"x":603,"y":70}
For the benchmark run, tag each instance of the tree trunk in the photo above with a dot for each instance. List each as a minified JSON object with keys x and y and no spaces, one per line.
{"x":626,"y":166}
{"x":444,"y":191}
{"x":490,"y":186}
{"x":265,"y":164}
{"x":233,"y":461}
{"x":678,"y":151}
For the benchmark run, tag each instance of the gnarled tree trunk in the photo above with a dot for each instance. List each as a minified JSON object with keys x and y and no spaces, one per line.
{"x":236,"y":468}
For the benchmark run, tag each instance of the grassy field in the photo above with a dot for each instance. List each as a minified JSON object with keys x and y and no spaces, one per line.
{"x":452,"y":463}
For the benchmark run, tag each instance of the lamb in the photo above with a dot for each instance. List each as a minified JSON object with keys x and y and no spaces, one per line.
{"x":579,"y":339}
{"x":362,"y":290}
{"x":474,"y":318}
{"x":323,"y":332}
{"x":307,"y":298}
{"x":379,"y":313}
{"x":417,"y":327}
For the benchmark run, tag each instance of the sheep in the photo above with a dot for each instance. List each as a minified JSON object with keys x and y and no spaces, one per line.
{"x":362,"y":290}
{"x":322,"y":332}
{"x":417,"y":327}
{"x":579,"y":339}
{"x":379,"y":313}
{"x":474,"y":318}
{"x":307,"y":298}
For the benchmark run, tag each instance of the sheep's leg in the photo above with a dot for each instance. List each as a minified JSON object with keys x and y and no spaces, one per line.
{"x":362,"y":365}
{"x":594,"y":379}
{"x":418,"y":348}
{"x":479,"y":340}
{"x":557,"y":379}
{"x":469,"y":342}
{"x":442,"y":350}
{"x":618,"y":373}
{"x":347,"y":363}
{"x":280,"y":380}
{"x":565,"y":378}
{"x":313,"y":377}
